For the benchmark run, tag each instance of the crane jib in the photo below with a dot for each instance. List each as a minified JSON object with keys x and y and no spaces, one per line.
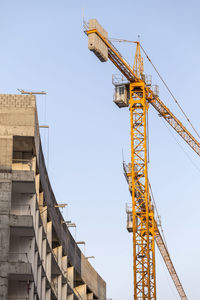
{"x":164,"y":111}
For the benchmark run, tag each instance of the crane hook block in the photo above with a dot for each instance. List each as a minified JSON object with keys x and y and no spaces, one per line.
{"x":95,"y":43}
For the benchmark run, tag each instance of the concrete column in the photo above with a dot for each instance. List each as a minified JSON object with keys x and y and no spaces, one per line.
{"x":33,"y":210}
{"x":64,"y":292}
{"x":64,"y":265}
{"x":60,"y":287}
{"x":33,"y":167}
{"x":54,"y":284}
{"x":31,"y":290}
{"x":4,"y":223}
{"x":70,"y":297}
{"x":3,"y":281}
{"x":58,"y":254}
{"x":32,"y":252}
{"x":43,"y":210}
{"x":35,"y":266}
{"x":36,"y":223}
{"x":48,"y":294}
{"x":43,"y":213}
{"x":70,"y":276}
{"x":41,"y":199}
{"x":39,"y":280}
{"x":37,"y":186}
{"x":48,"y":266}
{"x":49,"y":233}
{"x":81,"y":291}
{"x":90,"y":296}
{"x":6,"y":148}
{"x":43,"y":290}
{"x":39,"y":241}
{"x":44,"y":250}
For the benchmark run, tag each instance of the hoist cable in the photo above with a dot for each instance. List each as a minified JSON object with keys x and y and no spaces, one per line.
{"x":182,"y":148}
{"x":176,"y":101}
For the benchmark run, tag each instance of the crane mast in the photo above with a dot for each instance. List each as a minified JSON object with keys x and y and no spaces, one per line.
{"x":142,"y":209}
{"x":158,"y":236}
{"x":138,"y":97}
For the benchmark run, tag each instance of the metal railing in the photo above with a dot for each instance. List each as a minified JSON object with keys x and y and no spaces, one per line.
{"x":119,"y":79}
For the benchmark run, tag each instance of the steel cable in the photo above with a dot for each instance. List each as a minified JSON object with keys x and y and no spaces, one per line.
{"x":176,"y":101}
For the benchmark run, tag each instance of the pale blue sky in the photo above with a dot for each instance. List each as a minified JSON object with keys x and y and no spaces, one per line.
{"x":43,"y":48}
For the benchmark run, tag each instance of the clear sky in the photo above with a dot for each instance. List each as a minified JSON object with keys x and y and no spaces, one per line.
{"x":43,"y":47}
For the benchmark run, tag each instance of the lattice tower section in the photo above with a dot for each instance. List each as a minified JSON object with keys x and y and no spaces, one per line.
{"x":143,"y":214}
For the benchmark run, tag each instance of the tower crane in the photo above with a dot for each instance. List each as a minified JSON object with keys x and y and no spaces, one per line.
{"x":133,"y":90}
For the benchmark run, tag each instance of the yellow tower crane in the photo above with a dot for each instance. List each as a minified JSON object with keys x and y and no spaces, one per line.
{"x":133,"y":89}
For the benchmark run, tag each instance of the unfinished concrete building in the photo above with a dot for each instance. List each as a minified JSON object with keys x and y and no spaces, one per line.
{"x":39,"y":258}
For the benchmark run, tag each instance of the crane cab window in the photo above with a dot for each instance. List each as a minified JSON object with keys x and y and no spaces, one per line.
{"x":121,"y":95}
{"x":120,"y":90}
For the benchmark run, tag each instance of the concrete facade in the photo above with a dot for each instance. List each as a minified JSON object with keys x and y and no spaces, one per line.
{"x":39,"y":259}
